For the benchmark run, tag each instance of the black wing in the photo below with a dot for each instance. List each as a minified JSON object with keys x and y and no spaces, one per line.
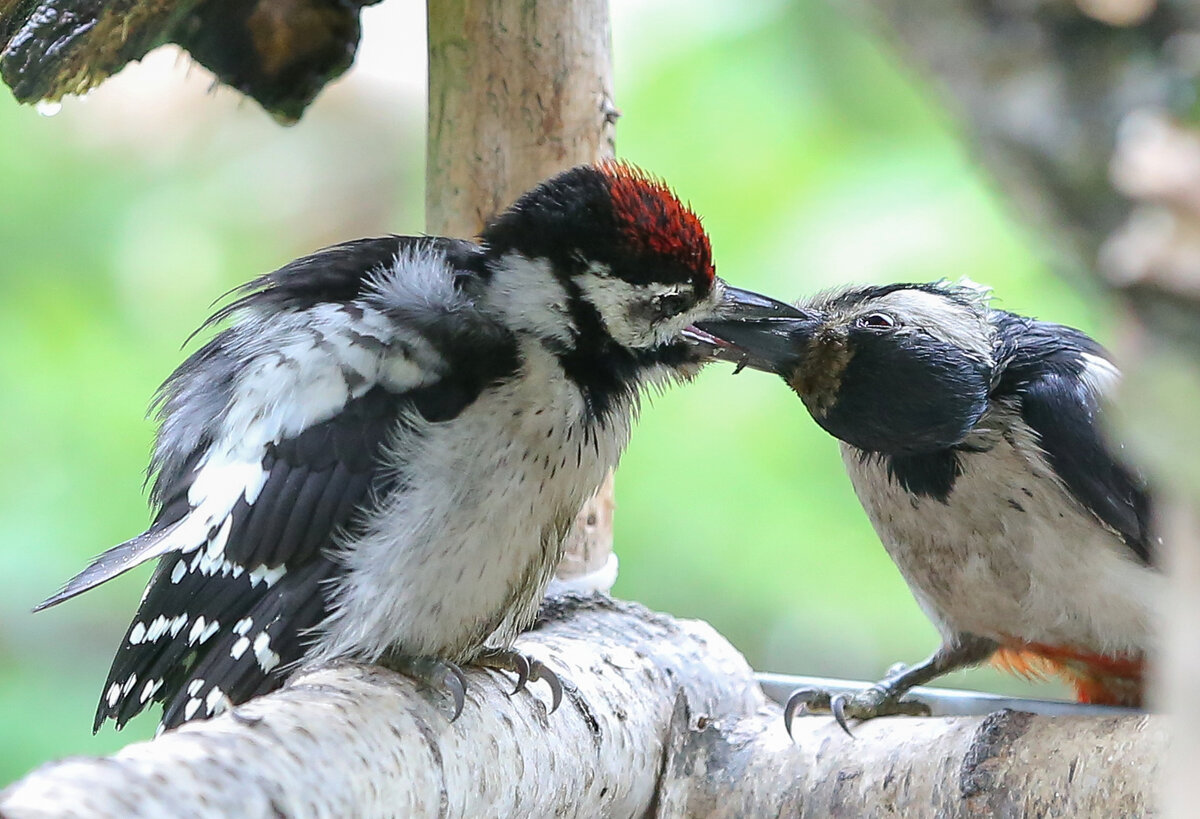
{"x":243,"y":580}
{"x":1061,"y":398}
{"x":222,"y":624}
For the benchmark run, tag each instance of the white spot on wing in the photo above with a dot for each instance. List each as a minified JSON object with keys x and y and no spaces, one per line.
{"x":157,"y":627}
{"x":217,"y":477}
{"x":239,"y":648}
{"x":242,"y":626}
{"x":149,"y":689}
{"x":269,"y":576}
{"x":179,"y":571}
{"x":209,"y":631}
{"x":214,"y":702}
{"x":194,"y":686}
{"x":296,"y":375}
{"x":138,"y":632}
{"x":189,"y":710}
{"x":216,"y":546}
{"x":113,"y":695}
{"x":221,"y":479}
{"x":197,"y":630}
{"x":267,"y":659}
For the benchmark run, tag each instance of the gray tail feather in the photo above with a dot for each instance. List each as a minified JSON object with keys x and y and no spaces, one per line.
{"x":116,"y":561}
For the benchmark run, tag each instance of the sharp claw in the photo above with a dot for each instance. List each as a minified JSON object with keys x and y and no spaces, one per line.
{"x":522,"y":669}
{"x":434,"y":674}
{"x":540,"y":672}
{"x":789,"y":713}
{"x":838,"y":706}
{"x":527,"y":670}
{"x":456,"y":684}
{"x":799,"y":699}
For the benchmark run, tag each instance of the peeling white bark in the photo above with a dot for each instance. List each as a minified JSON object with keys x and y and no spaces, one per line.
{"x":661,"y":718}
{"x":358,"y":741}
{"x":1007,"y":764}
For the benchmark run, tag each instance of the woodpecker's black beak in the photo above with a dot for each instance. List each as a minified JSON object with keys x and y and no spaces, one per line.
{"x":755,"y":331}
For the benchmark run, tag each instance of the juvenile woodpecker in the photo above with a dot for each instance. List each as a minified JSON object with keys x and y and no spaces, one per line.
{"x":973,"y":438}
{"x":379,"y":457}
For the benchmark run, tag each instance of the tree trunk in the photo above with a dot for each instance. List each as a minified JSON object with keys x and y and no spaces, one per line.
{"x":517,"y":93}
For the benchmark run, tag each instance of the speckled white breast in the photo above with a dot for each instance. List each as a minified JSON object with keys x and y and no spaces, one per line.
{"x":466,"y":549}
{"x":1011,"y":554}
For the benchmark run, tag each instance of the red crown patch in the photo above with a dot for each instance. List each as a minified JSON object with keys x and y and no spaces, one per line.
{"x":654,"y":221}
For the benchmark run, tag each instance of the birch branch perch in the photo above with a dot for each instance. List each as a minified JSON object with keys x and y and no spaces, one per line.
{"x":661,"y":717}
{"x":359,"y":741}
{"x":1007,"y":764}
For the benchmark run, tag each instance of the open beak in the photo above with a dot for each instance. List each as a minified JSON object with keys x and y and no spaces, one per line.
{"x":755,"y":331}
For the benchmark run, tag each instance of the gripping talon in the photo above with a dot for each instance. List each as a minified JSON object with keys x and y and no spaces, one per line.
{"x":456,"y":684}
{"x":527,"y":670}
{"x":838,"y":706}
{"x":523,"y":669}
{"x":802,"y":699}
{"x":789,"y":713}
{"x":432,"y":673}
{"x":538,"y":671}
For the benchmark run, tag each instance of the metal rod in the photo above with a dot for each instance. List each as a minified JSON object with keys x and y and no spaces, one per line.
{"x":942,"y":702}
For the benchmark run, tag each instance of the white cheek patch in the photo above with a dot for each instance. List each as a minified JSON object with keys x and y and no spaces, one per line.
{"x":963,"y":326}
{"x":613,"y":298}
{"x":531,"y":297}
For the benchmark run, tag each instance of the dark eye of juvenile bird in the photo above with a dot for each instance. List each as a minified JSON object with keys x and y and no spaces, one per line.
{"x":877,"y":321}
{"x":669,"y":304}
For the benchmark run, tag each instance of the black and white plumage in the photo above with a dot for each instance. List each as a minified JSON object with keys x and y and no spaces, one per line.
{"x":382,"y":453}
{"x":974,"y":440}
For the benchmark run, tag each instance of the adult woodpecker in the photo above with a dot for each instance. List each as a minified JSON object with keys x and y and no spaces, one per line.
{"x":380,"y":456}
{"x":973,"y":438}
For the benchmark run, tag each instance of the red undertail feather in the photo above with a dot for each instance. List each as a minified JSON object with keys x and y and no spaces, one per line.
{"x":1096,"y":678}
{"x":656,"y":221}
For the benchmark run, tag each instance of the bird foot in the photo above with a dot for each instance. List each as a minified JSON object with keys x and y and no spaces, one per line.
{"x":526,"y":668}
{"x":431,"y":672}
{"x":877,"y":701}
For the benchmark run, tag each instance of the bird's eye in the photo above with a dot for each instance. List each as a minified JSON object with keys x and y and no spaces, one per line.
{"x":877,"y":321}
{"x":669,"y":304}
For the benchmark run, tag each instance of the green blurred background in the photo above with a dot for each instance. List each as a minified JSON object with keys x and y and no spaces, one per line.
{"x":815,"y":157}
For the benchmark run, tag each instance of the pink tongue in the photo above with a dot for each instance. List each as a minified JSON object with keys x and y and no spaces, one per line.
{"x":694,"y":333}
